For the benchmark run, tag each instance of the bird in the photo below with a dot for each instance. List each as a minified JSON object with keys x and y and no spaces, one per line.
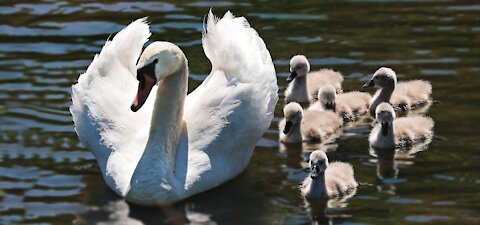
{"x":328,"y":180}
{"x":167,"y":145}
{"x":348,"y":105}
{"x":309,"y":126}
{"x":405,"y":132}
{"x":303,"y":85}
{"x":404,"y":95}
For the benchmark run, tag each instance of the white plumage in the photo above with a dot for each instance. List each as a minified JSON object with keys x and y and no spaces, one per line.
{"x":161,"y":157}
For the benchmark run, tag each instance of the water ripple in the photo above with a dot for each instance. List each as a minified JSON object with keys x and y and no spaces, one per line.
{"x":288,"y":16}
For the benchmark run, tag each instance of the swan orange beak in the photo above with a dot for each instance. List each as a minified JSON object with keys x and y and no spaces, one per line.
{"x":145,"y":85}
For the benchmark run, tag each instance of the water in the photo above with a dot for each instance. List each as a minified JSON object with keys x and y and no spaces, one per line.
{"x":47,"y":177}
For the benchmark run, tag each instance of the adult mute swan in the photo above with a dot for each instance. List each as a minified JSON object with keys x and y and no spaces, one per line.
{"x":167,"y":146}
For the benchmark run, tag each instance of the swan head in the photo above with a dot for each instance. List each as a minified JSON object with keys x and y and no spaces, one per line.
{"x":385,"y":115}
{"x":293,"y":114}
{"x":158,"y":61}
{"x":383,"y":78}
{"x":327,"y":95}
{"x":299,"y":67}
{"x":318,"y":163}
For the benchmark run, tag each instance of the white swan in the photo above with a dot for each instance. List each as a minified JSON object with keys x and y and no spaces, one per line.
{"x":189,"y":144}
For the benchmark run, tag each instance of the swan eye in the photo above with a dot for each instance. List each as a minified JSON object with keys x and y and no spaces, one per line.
{"x":148,"y":70}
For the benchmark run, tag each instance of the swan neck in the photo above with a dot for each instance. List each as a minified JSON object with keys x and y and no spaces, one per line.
{"x":300,"y":83}
{"x":318,"y":186}
{"x":296,"y":132}
{"x":386,"y":94}
{"x":389,"y":138}
{"x":167,"y":117}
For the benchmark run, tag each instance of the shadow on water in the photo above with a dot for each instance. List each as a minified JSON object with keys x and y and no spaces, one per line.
{"x":213,"y":206}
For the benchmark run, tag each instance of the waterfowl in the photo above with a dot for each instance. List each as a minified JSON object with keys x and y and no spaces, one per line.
{"x":311,"y":126}
{"x":167,"y":146}
{"x":404,"y":95}
{"x":304,"y":85}
{"x":348,"y":105}
{"x":391,"y":133}
{"x":328,"y":180}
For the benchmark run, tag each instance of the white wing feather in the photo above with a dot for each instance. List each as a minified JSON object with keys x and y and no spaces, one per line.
{"x":101,"y":104}
{"x":229,"y":112}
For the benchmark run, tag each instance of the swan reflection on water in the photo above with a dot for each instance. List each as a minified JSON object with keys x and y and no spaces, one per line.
{"x":388,"y":162}
{"x":216,"y":206}
{"x":323,"y":210}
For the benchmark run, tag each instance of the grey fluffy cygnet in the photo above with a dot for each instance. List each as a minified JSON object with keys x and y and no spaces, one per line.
{"x":310,"y":126}
{"x":304,"y":85}
{"x":399,"y":133}
{"x":328,"y":180}
{"x":404,"y":95}
{"x":349,"y":105}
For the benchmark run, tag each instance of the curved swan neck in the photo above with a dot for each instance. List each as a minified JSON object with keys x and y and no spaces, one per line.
{"x":386,"y":93}
{"x":384,"y":96}
{"x":167,"y":119}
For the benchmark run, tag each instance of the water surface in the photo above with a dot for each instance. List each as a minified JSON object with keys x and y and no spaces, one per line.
{"x":48,"y":177}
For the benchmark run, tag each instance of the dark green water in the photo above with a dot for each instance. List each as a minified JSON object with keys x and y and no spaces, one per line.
{"x":47,"y":177}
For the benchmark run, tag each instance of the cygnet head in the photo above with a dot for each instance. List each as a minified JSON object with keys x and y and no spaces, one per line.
{"x":327,"y":95}
{"x":293,"y":114}
{"x":158,"y":61}
{"x":318,"y":163}
{"x":299,"y":67}
{"x":385,"y":115}
{"x":383,"y":78}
